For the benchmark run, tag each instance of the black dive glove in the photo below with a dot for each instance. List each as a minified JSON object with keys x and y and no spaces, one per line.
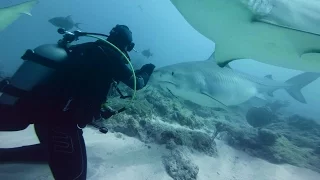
{"x":107,"y":112}
{"x":147,"y":68}
{"x":3,"y":83}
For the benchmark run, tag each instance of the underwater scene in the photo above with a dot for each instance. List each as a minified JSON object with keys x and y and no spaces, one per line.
{"x":160,"y":90}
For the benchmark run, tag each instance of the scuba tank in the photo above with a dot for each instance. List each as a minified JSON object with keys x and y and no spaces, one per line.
{"x":38,"y":65}
{"x":41,"y":63}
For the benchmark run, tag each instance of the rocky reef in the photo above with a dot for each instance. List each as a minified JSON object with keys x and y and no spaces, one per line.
{"x":279,"y":139}
{"x":157,"y":116}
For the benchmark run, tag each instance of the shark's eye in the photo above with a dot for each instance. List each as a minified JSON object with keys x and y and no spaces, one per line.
{"x":172,"y":73}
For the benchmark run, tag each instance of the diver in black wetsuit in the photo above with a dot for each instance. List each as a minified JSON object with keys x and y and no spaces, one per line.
{"x":70,"y":100}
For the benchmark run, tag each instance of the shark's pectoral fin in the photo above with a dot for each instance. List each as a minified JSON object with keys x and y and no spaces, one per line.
{"x":172,"y":93}
{"x":27,"y":13}
{"x":221,"y":105}
{"x":205,"y":93}
{"x":10,"y":14}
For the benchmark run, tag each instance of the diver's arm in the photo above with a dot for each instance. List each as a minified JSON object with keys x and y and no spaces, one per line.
{"x":121,"y":72}
{"x":142,"y":76}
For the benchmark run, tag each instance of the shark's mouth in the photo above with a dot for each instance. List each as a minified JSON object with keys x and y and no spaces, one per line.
{"x":169,"y":82}
{"x":170,"y":91}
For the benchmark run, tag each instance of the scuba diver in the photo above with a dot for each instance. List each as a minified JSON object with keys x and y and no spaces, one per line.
{"x":65,"y":102}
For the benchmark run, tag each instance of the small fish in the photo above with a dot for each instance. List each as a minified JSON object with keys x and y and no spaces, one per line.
{"x":64,"y":22}
{"x":147,"y":53}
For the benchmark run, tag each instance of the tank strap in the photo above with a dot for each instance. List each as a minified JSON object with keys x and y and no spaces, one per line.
{"x":29,"y":55}
{"x":6,"y":87}
{"x":4,"y":83}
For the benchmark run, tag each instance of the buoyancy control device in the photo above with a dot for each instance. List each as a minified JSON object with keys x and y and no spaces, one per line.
{"x":38,"y":65}
{"x":41,"y":63}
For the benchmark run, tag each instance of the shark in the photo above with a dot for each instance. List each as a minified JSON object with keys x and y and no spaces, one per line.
{"x":277,"y":32}
{"x":11,"y":13}
{"x":64,"y":22}
{"x":207,"y":84}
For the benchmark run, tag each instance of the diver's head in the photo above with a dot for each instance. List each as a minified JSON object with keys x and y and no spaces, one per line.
{"x":121,"y":36}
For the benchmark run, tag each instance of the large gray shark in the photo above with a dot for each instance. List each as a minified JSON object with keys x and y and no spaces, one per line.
{"x":277,"y":32}
{"x":207,"y":84}
{"x":11,"y":13}
{"x":64,"y":22}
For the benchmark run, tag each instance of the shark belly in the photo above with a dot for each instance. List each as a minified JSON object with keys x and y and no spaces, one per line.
{"x":239,"y":34}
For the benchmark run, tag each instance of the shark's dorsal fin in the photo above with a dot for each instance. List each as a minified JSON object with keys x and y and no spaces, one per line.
{"x":68,"y":17}
{"x":211,"y":57}
{"x":225,"y":63}
{"x":269,"y":76}
{"x":227,"y":66}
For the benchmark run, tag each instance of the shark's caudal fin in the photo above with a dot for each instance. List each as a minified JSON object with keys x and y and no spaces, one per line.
{"x":298,"y":82}
{"x":211,"y":58}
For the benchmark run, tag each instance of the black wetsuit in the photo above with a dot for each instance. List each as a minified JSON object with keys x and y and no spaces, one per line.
{"x":65,"y":102}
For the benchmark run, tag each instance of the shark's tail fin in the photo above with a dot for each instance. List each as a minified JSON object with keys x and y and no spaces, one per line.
{"x":298,"y":82}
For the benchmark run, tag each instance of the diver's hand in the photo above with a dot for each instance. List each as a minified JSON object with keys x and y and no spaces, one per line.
{"x":107,"y":112}
{"x":147,"y":68}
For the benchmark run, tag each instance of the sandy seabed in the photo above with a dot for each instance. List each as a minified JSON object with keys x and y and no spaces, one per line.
{"x":118,"y":157}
